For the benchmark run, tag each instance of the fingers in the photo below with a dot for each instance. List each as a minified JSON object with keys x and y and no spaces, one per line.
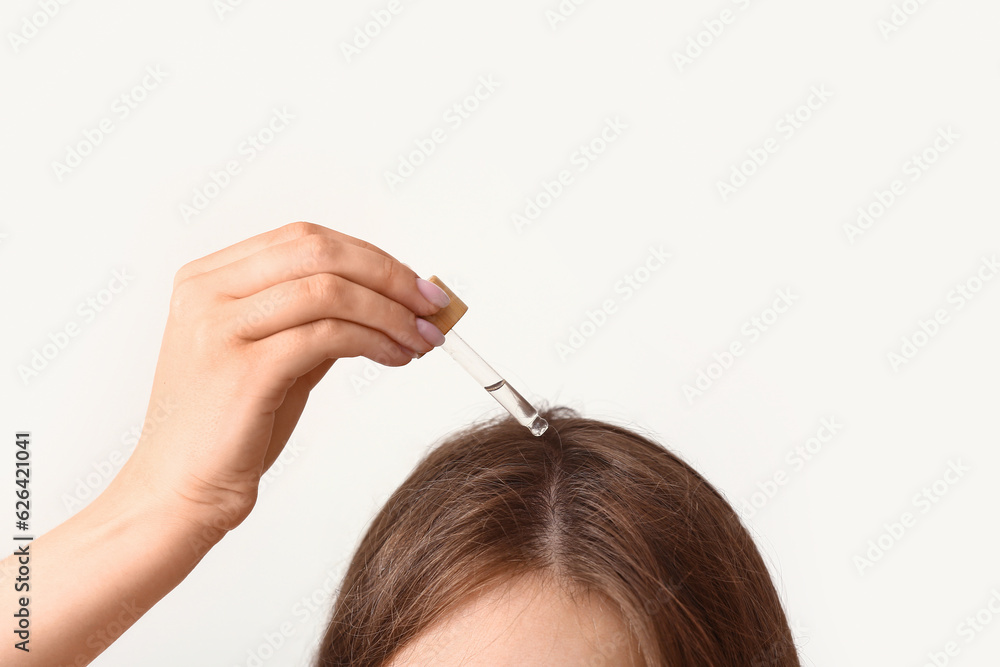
{"x":255,"y":244}
{"x":323,"y":253}
{"x":297,"y":351}
{"x":321,"y":296}
{"x":291,"y":409}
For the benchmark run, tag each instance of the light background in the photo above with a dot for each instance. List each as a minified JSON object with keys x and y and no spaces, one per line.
{"x":826,"y":357}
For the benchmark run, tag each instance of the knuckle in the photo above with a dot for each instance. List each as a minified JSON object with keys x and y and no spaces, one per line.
{"x":315,"y":252}
{"x":390,"y":270}
{"x":183,"y":273}
{"x":299,"y":229}
{"x":182,"y":299}
{"x":323,"y":287}
{"x":327,"y":328}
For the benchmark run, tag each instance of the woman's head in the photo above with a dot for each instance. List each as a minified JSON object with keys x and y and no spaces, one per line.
{"x":591,"y":538}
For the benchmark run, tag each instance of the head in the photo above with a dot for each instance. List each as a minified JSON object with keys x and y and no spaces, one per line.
{"x":589,"y":545}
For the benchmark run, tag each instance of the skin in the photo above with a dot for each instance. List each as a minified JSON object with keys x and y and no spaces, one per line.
{"x":528,"y":622}
{"x":252,"y":329}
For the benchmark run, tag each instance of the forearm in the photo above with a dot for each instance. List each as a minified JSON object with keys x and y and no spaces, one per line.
{"x":95,"y":574}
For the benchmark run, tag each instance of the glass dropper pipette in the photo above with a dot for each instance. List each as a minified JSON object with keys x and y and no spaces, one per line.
{"x":482,"y":372}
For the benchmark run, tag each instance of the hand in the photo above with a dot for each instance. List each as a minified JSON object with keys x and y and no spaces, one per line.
{"x":252,"y":329}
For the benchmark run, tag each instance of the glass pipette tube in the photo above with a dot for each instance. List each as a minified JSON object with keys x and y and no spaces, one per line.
{"x":482,"y":372}
{"x":491,"y":381}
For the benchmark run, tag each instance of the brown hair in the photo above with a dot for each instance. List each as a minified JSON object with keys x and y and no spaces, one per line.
{"x":589,"y":503}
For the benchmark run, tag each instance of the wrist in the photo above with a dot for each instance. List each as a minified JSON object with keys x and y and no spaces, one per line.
{"x":136,"y":499}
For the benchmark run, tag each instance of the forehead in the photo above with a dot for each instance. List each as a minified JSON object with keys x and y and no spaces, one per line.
{"x":526,"y":623}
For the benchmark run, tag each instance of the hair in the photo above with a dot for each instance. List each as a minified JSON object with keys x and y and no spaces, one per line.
{"x":590,"y":504}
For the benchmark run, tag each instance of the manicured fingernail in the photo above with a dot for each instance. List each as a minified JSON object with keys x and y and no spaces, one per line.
{"x":433,"y":293}
{"x":430,"y":332}
{"x":408,"y":352}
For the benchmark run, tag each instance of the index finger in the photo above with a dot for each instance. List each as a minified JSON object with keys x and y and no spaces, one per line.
{"x":254,"y":244}
{"x":318,"y":254}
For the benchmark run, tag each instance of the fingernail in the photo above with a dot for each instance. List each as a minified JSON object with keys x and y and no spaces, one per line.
{"x":408,"y":352}
{"x":433,"y":293}
{"x":430,"y":332}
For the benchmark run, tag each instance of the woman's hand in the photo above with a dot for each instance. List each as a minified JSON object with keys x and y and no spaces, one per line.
{"x":252,"y":329}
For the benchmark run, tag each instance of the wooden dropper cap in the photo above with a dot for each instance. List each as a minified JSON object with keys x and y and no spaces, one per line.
{"x":446,"y":318}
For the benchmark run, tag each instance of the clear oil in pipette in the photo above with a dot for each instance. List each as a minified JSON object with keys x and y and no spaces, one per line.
{"x":484,"y":374}
{"x":518,"y":406}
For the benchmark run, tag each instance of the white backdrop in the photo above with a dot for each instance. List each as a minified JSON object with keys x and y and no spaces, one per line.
{"x":820,"y":176}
